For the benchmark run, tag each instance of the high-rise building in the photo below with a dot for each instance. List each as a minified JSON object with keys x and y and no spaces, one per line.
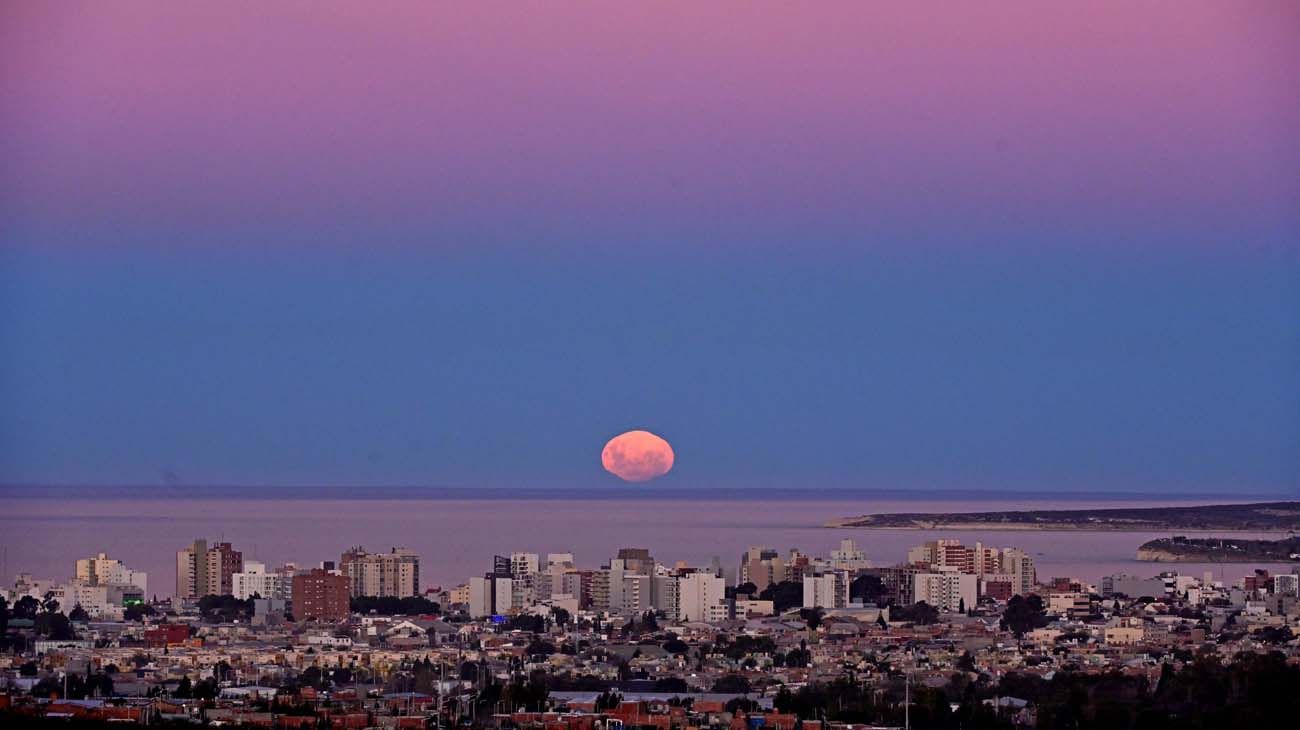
{"x":899,"y":582}
{"x":849,"y":556}
{"x":940,"y":555}
{"x":598,"y":589}
{"x":192,"y":570}
{"x":702,"y":597}
{"x":665,"y":594}
{"x":762,"y":567}
{"x":207,"y":571}
{"x":490,"y":595}
{"x":395,"y":573}
{"x":256,"y":580}
{"x":320,"y":595}
{"x":1020,"y":565}
{"x":637,"y":560}
{"x":522,"y":564}
{"x":944,"y":554}
{"x":223,"y":562}
{"x":103,"y":570}
{"x":947,"y":590}
{"x":828,"y":590}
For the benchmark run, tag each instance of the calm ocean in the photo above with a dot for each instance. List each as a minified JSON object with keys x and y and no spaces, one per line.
{"x":43,"y":531}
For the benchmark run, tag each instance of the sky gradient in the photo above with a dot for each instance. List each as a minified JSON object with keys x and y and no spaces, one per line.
{"x":851,"y":245}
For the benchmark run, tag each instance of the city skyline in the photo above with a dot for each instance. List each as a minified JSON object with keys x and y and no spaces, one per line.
{"x":674,"y":365}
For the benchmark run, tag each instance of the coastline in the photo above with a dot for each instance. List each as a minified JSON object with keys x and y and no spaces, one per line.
{"x":1042,"y":527}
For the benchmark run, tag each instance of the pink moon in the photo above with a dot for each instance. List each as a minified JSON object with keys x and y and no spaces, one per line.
{"x":637,"y":456}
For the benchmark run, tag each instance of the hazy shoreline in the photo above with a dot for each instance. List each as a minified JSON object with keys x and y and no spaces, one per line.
{"x":1275,"y":516}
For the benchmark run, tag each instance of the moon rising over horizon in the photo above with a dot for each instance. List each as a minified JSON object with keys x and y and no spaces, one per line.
{"x":637,"y":456}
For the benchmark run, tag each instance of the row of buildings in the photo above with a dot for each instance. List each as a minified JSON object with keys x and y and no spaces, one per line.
{"x":942,"y":573}
{"x":220,"y":570}
{"x":374,"y":669}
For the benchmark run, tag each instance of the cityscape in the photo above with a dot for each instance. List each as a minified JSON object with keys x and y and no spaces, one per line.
{"x":672,"y":365}
{"x":539,"y":639}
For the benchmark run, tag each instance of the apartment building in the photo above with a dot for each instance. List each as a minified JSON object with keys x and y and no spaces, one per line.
{"x":320,"y":595}
{"x":395,"y":573}
{"x":849,"y":556}
{"x":491,"y":595}
{"x":828,"y":590}
{"x":522,"y":564}
{"x":207,"y":571}
{"x":761,"y":566}
{"x":948,"y":590}
{"x":702,"y":597}
{"x":256,"y":580}
{"x":943,"y":555}
{"x":103,"y":570}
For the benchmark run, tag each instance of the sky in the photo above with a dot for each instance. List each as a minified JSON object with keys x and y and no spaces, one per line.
{"x":1010,"y":246}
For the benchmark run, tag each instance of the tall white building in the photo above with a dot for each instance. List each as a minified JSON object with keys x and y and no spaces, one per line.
{"x":490,"y":596}
{"x":828,"y":590}
{"x":947,"y":590}
{"x":665,"y":594}
{"x":1020,"y":564}
{"x":849,"y":556}
{"x":702,"y":597}
{"x":256,"y":580}
{"x":522,"y":564}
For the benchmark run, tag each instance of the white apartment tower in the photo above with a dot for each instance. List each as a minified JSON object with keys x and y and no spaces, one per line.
{"x":947,"y":591}
{"x":702,"y":597}
{"x":828,"y":590}
{"x":255,"y":580}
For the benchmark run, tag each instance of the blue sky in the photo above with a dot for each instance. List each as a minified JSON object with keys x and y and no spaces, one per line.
{"x":866,"y":245}
{"x":1056,"y":370}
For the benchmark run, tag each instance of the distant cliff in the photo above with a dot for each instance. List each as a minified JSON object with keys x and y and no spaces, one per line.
{"x":1266,"y":516}
{"x":1219,"y":550}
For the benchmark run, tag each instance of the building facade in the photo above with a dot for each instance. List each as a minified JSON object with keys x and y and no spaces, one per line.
{"x":320,"y":595}
{"x":207,"y":571}
{"x":702,"y":597}
{"x":395,"y":573}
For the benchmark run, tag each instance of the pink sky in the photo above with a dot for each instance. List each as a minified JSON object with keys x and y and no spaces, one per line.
{"x":594,"y":117}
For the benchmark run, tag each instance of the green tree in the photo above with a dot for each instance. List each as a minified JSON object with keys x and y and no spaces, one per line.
{"x":784,"y":596}
{"x":560,"y":616}
{"x":812,"y":617}
{"x":732,"y":684}
{"x":920,"y":613}
{"x":1023,"y":615}
{"x":26,"y":607}
{"x":671,"y":684}
{"x":54,"y":625}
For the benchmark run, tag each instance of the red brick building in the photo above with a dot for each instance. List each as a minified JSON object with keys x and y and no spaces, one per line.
{"x":166,"y":635}
{"x":320,"y":595}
